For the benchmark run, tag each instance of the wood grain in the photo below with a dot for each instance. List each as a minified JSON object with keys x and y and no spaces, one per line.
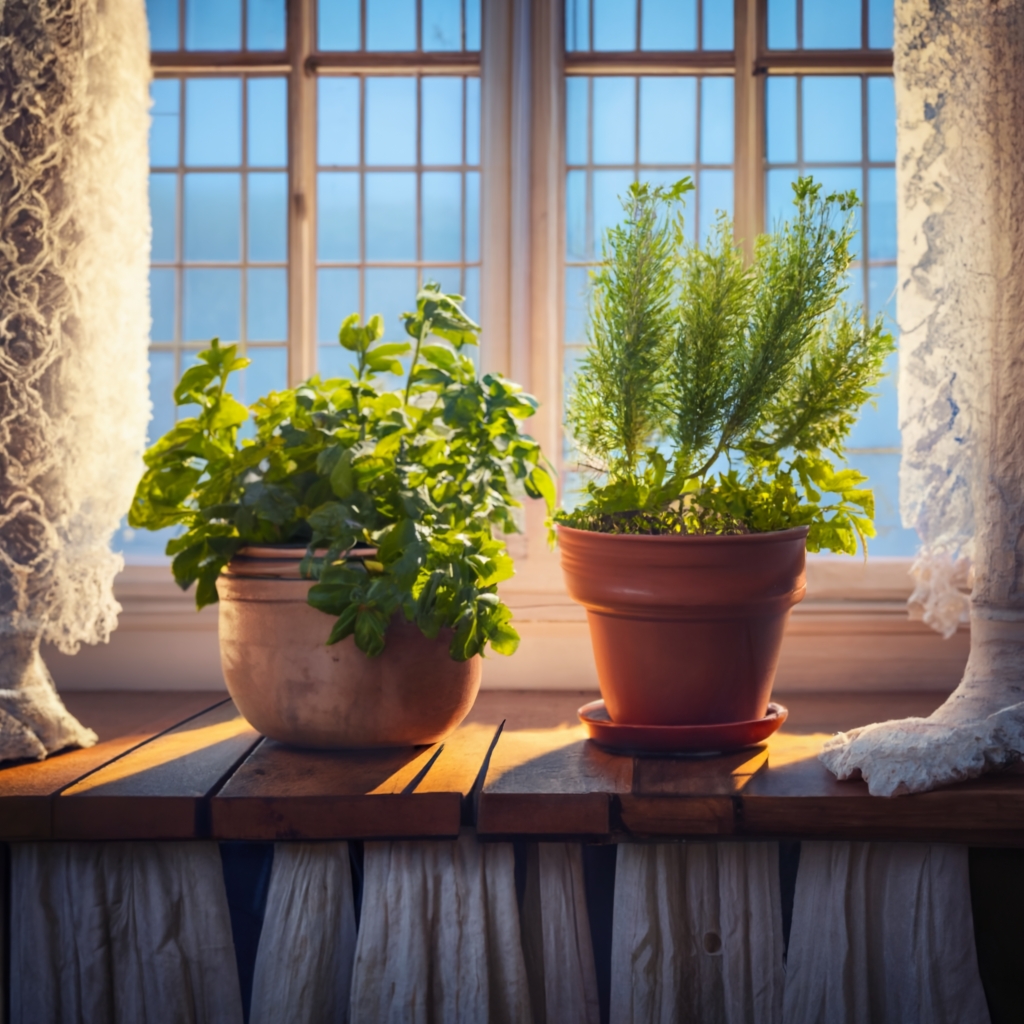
{"x":284,"y":793}
{"x":158,"y":790}
{"x":122,"y":722}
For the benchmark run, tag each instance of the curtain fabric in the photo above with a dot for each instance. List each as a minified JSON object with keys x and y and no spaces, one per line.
{"x":121,"y":933}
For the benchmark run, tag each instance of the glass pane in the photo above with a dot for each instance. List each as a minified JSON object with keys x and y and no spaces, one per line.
{"x":614,"y":24}
{"x":162,"y":16}
{"x":718,"y":25}
{"x":472,"y":217}
{"x":577,"y":25}
{"x":391,"y":292}
{"x":576,"y":89}
{"x":780,"y":111}
{"x":778,"y":199}
{"x":831,"y":109}
{"x":163,"y":131}
{"x":162,"y":379}
{"x":577,"y":293}
{"x":881,"y":119}
{"x":716,"y":116}
{"x":842,"y":179}
{"x":391,"y":121}
{"x":668,"y":25}
{"x":473,"y":121}
{"x":337,"y":25}
{"x":668,"y":121}
{"x":472,"y":24}
{"x":267,"y":305}
{"x":163,"y":208}
{"x":877,"y":426}
{"x":337,"y":296}
{"x":265,"y":28}
{"x":880,"y":24}
{"x":441,"y":128}
{"x":268,"y":217}
{"x":268,"y":122}
{"x":442,"y":24}
{"x":213,"y":122}
{"x":883,"y":478}
{"x":391,"y":24}
{"x":882,"y":294}
{"x":337,"y":216}
{"x":781,"y":24}
{"x":337,"y":123}
{"x":714,"y":194}
{"x":471,"y":291}
{"x":162,"y":304}
{"x":213,"y":24}
{"x":212,"y":304}
{"x":831,"y":24}
{"x":212,"y":216}
{"x":608,"y":186}
{"x":442,"y":216}
{"x":614,"y":120}
{"x":576,"y":216}
{"x":268,"y":371}
{"x":881,"y":214}
{"x":390,"y":216}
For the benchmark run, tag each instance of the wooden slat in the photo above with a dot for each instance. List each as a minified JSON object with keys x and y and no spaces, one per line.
{"x":157,"y":791}
{"x":284,"y":793}
{"x":122,"y":721}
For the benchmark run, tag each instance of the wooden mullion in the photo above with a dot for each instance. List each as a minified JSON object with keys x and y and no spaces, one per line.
{"x":651,"y":62}
{"x":748,"y":181}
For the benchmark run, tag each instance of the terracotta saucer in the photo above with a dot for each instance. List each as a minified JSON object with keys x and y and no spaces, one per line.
{"x":681,"y":740}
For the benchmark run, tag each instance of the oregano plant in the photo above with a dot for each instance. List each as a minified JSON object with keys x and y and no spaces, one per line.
{"x":717,"y":397}
{"x":400,"y":496}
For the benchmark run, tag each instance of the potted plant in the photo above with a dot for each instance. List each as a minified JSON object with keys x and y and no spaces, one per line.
{"x":354,"y":541}
{"x":711,"y":408}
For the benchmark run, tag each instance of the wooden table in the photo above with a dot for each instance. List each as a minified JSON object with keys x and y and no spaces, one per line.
{"x":186,"y":765}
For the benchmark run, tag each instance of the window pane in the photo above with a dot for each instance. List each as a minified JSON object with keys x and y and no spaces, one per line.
{"x":842,"y":179}
{"x":472,"y":24}
{"x":577,"y":25}
{"x":162,"y":16}
{"x":267,"y":372}
{"x":668,"y":121}
{"x":577,"y":292}
{"x":212,"y":304}
{"x":442,"y":216}
{"x":614,"y":24}
{"x":831,"y":109}
{"x":442,"y":120}
{"x":882,"y":214}
{"x":883,"y":478}
{"x":162,"y":379}
{"x":337,"y":220}
{"x":576,"y":92}
{"x":391,"y":24}
{"x":472,"y":216}
{"x":614,"y":120}
{"x":337,"y":25}
{"x":831,"y":24}
{"x":779,"y":197}
{"x":213,"y":24}
{"x":473,"y":121}
{"x":608,"y":187}
{"x":391,"y":292}
{"x":880,"y":24}
{"x":163,"y":131}
{"x":267,"y":306}
{"x":780,"y":103}
{"x":882,"y":294}
{"x":576,"y":216}
{"x":337,"y":296}
{"x":268,"y":122}
{"x":471,"y":291}
{"x":881,"y":119}
{"x":162,"y":304}
{"x":390,"y":216}
{"x":718,"y":25}
{"x":268,"y":217}
{"x":391,"y":121}
{"x":874,"y":429}
{"x":213,"y":123}
{"x":163,"y":209}
{"x":265,"y":28}
{"x":442,"y":24}
{"x":714,"y":194}
{"x":337,"y":124}
{"x":668,"y":25}
{"x":212,"y":214}
{"x":716,"y":117}
{"x":781,"y":24}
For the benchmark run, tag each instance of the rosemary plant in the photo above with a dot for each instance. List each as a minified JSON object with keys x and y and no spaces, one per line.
{"x":716,"y":397}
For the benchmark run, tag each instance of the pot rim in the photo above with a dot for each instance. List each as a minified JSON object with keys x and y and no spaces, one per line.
{"x":791,"y":533}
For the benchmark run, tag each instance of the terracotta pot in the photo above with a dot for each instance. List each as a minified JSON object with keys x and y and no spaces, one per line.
{"x":292,"y":687}
{"x":686,"y":630}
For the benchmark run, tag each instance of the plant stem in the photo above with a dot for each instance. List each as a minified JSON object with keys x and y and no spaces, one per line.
{"x":424,"y":331}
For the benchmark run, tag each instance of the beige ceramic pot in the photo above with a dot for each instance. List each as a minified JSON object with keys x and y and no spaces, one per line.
{"x":292,"y":687}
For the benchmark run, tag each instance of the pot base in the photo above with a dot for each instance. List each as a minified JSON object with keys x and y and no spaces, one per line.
{"x":677,"y":740}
